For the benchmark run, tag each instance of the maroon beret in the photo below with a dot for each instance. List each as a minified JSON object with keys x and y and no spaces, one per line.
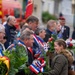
{"x":61,"y":18}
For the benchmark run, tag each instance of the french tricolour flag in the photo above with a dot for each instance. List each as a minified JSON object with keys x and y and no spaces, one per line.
{"x":34,"y":68}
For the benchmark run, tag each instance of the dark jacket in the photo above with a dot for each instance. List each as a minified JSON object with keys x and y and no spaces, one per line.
{"x":30,"y":55}
{"x":66,"y":32}
{"x":48,"y":35}
{"x":25,"y":53}
{"x":73,"y":34}
{"x":10,"y":32}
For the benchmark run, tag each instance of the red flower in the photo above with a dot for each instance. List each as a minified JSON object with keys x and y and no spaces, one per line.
{"x":50,"y":39}
{"x":70,"y":44}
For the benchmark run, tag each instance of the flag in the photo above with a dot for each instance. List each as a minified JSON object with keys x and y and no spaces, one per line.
{"x":29,"y":8}
{"x":34,"y":68}
{"x":37,"y":66}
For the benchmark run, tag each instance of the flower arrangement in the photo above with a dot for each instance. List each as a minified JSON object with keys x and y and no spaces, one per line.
{"x":51,"y":42}
{"x":18,"y":60}
{"x":4,"y":65}
{"x":70,"y":44}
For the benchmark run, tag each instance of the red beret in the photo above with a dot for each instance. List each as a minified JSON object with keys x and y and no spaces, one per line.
{"x":61,"y":18}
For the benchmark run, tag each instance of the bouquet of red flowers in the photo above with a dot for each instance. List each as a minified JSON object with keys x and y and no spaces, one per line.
{"x":51,"y":42}
{"x":70,"y":44}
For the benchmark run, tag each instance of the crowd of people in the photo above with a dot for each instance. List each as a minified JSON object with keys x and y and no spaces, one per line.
{"x":34,"y":39}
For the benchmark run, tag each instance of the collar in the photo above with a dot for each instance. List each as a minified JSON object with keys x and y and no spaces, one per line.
{"x":21,"y":42}
{"x":49,"y":31}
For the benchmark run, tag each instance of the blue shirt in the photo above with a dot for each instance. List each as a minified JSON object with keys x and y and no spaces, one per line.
{"x":1,"y":50}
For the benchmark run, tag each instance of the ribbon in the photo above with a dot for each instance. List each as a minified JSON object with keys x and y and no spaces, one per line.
{"x":6,"y":61}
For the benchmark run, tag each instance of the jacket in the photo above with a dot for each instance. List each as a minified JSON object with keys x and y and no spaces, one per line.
{"x":60,"y":63}
{"x":10,"y":32}
{"x":66,"y":32}
{"x":48,"y":35}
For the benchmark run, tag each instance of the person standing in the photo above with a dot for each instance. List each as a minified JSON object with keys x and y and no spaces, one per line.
{"x":40,"y":32}
{"x":25,"y":44}
{"x":65,"y":29}
{"x":50,"y":29}
{"x":58,"y":31}
{"x":10,"y":30}
{"x":62,"y":61}
{"x":32,"y":22}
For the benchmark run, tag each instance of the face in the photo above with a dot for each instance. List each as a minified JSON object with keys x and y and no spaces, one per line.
{"x":42,"y":34}
{"x":13,"y":21}
{"x":33,"y":25}
{"x":29,"y":42}
{"x":52,"y":28}
{"x":58,"y":27}
{"x":57,"y":47}
{"x":62,"y":22}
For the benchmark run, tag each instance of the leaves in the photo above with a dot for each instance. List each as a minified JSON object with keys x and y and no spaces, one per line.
{"x":3,"y":68}
{"x":18,"y":59}
{"x":51,"y":42}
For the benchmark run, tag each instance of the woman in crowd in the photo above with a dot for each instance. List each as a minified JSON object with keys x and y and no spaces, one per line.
{"x":58,"y":31}
{"x":40,"y":32}
{"x":62,"y":61}
{"x":2,"y":39}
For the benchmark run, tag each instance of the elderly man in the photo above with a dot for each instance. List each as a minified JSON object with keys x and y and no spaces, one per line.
{"x":64,"y":28}
{"x":33,"y":22}
{"x":2,"y":35}
{"x":51,"y":24}
{"x":23,"y":46}
{"x":26,"y":40}
{"x":10,"y":30}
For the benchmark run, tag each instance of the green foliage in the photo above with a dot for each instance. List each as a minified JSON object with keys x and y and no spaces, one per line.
{"x":18,"y":59}
{"x":3,"y":68}
{"x":51,"y":42}
{"x":72,"y":48}
{"x":46,"y":16}
{"x":47,"y":66}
